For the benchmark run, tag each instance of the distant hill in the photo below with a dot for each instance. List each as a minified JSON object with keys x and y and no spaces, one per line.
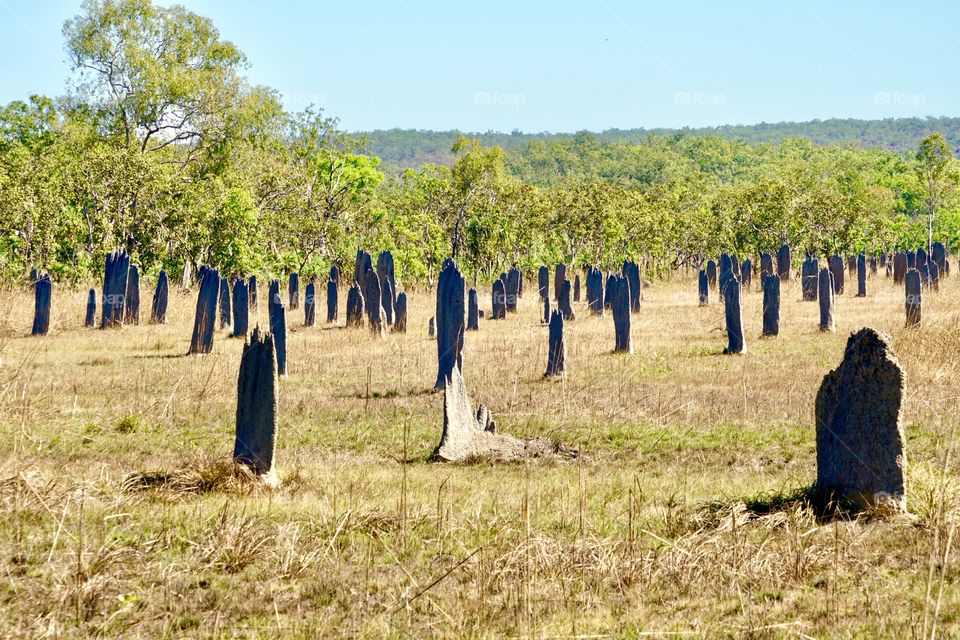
{"x":404,"y":148}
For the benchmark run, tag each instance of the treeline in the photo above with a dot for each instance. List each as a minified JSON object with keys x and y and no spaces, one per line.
{"x":401,"y":149}
{"x":163,"y":147}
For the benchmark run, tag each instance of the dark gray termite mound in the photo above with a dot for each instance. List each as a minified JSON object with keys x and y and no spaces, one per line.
{"x":241,"y":308}
{"x":226,"y":308}
{"x":783,"y":262}
{"x":559,"y":275}
{"x":386,"y":271}
{"x":631,"y":271}
{"x":332,"y":303}
{"x":771,"y":303}
{"x":732,"y":315}
{"x":609,"y":291}
{"x":252,"y":286}
{"x":826,"y":300}
{"x":513,"y":289}
{"x":256,"y":426}
{"x":576,"y":288}
{"x":766,"y":263}
{"x":809,"y":275}
{"x":924,"y":270}
{"x":914,"y":297}
{"x":115,"y":274}
{"x":899,"y":267}
{"x":499,"y":295}
{"x":161,"y":295}
{"x":938,"y":253}
{"x":473,"y":311}
{"x":746,"y":274}
{"x":388,"y":301}
{"x":278,"y":326}
{"x":557,"y":347}
{"x":703,"y":288}
{"x":862,"y":276}
{"x":42,"y":299}
{"x":400,"y":317}
{"x":354,"y":306}
{"x":310,"y":305}
{"x":294,"y":291}
{"x":91,"y":318}
{"x":836,"y":268}
{"x":543,"y":282}
{"x":372,"y":295}
{"x":205,"y":316}
{"x":563,"y":301}
{"x":595,"y":291}
{"x":450,"y":318}
{"x":363,"y":264}
{"x":618,"y":289}
{"x":861,"y":458}
{"x":726,"y":272}
{"x":131,"y":305}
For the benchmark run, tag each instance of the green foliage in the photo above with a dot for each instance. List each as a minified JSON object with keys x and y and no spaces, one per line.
{"x":402,"y":149}
{"x":155,"y":76}
{"x":163,"y":147}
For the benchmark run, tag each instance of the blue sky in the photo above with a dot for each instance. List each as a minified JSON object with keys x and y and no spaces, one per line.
{"x":559,"y":66}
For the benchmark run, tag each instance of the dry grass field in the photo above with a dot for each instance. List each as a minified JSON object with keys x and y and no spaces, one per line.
{"x":122,"y":516}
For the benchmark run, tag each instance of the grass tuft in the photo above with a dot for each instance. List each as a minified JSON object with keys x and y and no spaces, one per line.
{"x":204,"y":475}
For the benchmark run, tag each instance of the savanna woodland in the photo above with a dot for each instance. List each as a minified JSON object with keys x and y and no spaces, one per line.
{"x":160,"y":145}
{"x":675,"y":492}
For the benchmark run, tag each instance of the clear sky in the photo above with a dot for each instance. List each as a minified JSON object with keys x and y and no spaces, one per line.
{"x":559,"y":66}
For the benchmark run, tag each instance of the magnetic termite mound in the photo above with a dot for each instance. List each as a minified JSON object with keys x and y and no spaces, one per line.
{"x":131,"y":306}
{"x":161,"y":295}
{"x":861,"y":457}
{"x":43,"y":297}
{"x":450,"y":320}
{"x":256,"y":422}
{"x":115,"y":273}
{"x":557,"y":347}
{"x":241,"y":308}
{"x":277,"y":314}
{"x":205,"y":315}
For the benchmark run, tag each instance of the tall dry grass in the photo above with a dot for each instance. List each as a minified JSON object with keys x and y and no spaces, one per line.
{"x":123,"y":516}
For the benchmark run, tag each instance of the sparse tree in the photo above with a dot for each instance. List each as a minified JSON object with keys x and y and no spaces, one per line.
{"x":933,"y":161}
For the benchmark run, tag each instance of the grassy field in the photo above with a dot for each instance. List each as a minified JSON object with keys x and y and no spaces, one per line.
{"x":662,"y":527}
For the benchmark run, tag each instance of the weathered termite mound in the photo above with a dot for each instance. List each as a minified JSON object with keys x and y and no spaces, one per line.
{"x":473,"y":436}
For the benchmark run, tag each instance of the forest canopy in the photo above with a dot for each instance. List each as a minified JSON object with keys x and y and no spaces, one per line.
{"x":160,"y":144}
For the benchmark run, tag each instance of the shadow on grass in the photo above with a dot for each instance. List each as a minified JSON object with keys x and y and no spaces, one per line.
{"x":390,"y":393}
{"x":825,"y":506}
{"x":158,"y":356}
